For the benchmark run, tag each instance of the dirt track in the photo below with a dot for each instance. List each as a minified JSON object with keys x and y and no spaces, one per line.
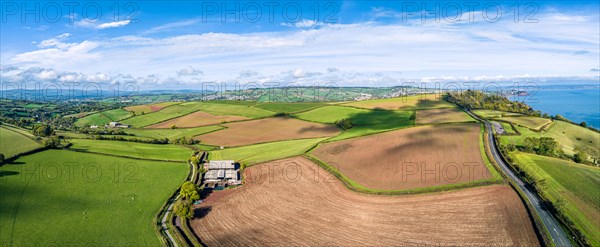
{"x":315,"y":209}
{"x":409,"y":158}
{"x":267,"y":130}
{"x":196,"y":119}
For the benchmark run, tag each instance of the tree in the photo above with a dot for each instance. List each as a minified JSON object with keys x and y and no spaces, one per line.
{"x":344,"y":124}
{"x":1,"y":158}
{"x":583,"y":124}
{"x":189,"y":191}
{"x":42,"y":130}
{"x":52,"y":142}
{"x":560,"y":117}
{"x":183,"y":209}
{"x":173,"y":127}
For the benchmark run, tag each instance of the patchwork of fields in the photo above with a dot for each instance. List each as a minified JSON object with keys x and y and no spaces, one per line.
{"x":267,"y":130}
{"x":400,"y":145}
{"x":295,"y":202}
{"x":417,"y":102}
{"x":14,"y":143}
{"x":409,"y":158}
{"x":133,"y":149}
{"x":572,"y":185}
{"x":534,"y":123}
{"x":70,"y":198}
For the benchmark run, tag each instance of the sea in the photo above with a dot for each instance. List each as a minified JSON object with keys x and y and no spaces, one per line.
{"x":577,"y":103}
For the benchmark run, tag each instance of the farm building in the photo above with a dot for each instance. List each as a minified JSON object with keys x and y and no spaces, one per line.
{"x":221,"y":172}
{"x":116,"y":125}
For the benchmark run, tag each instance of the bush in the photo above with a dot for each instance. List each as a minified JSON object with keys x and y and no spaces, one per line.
{"x":580,"y":156}
{"x":583,"y":124}
{"x":344,"y":124}
{"x":281,"y":114}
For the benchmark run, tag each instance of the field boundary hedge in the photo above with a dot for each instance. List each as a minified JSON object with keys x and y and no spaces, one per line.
{"x":355,"y":186}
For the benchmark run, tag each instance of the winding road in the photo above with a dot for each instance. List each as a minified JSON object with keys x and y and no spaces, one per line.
{"x":559,"y":237}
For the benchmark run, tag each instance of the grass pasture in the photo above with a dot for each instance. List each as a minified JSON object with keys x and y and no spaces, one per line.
{"x":322,"y":209}
{"x":196,"y":119}
{"x":574,"y":185}
{"x":396,"y":160}
{"x":66,"y":198}
{"x":235,"y":109}
{"x":488,"y":114}
{"x":267,"y":130}
{"x":133,"y":149}
{"x":253,"y":154}
{"x":102,"y":118}
{"x":535,"y":123}
{"x":408,"y":103}
{"x":330,"y":114}
{"x":442,"y":115}
{"x":144,"y":109}
{"x":167,"y":113}
{"x":13,"y":143}
{"x":569,"y":136}
{"x":172,"y":133}
{"x":288,"y":107}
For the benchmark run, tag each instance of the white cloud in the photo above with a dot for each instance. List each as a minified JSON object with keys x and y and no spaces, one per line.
{"x":189,"y":71}
{"x":356,"y":54}
{"x":113,"y":24}
{"x":93,"y":25}
{"x":171,"y":26}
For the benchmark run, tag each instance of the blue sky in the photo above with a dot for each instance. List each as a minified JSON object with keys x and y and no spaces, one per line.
{"x":159,"y":44}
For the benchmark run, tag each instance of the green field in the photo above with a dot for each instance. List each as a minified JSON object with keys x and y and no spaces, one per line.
{"x":253,"y":154}
{"x":494,"y":113}
{"x":288,"y":107}
{"x":330,"y":114}
{"x":164,"y":114}
{"x":65,"y":198}
{"x":535,"y":123}
{"x":576,"y":186}
{"x":507,"y":127}
{"x":189,"y":107}
{"x":235,"y":109}
{"x":408,"y":103}
{"x":569,"y":136}
{"x":13,"y":143}
{"x":172,"y":133}
{"x":102,"y":118}
{"x":143,"y":109}
{"x":133,"y":149}
{"x":361,"y":130}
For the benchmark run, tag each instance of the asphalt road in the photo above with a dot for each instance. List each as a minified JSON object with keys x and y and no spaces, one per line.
{"x":559,"y":237}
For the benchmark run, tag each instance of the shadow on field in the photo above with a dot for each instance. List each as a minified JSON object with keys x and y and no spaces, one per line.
{"x":382,"y":116}
{"x":200,"y":212}
{"x":7,"y":173}
{"x":15,"y":163}
{"x":324,"y":129}
{"x":427,"y":140}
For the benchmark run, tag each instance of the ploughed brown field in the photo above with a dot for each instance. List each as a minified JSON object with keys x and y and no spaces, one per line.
{"x":295,"y":202}
{"x":444,"y":115}
{"x":267,"y":130}
{"x":409,"y":158}
{"x":196,"y":119}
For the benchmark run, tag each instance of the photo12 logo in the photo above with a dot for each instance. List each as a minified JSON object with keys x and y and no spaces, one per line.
{"x":287,"y":12}
{"x":53,"y":12}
